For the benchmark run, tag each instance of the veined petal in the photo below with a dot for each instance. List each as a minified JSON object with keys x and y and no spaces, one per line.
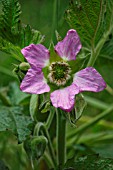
{"x":34,"y":82}
{"x":89,"y":79}
{"x":36,"y":55}
{"x":69,"y":47}
{"x":64,"y":98}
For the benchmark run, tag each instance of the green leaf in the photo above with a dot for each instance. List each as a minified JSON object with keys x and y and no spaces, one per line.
{"x":91,"y":19}
{"x":11,"y":28}
{"x":16,"y":96}
{"x":13,"y":34}
{"x":99,"y":137}
{"x":104,"y":149}
{"x":11,"y":49}
{"x":10,"y":19}
{"x":13,"y":120}
{"x":87,"y":18}
{"x":35,"y":147}
{"x":7,"y":71}
{"x":90,"y":162}
{"x":3,"y":166}
{"x":29,"y":36}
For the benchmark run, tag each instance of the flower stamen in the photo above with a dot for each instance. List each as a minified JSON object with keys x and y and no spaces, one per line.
{"x":59,"y":73}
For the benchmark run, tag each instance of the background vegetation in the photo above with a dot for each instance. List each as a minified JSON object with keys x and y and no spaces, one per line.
{"x":95,"y":137}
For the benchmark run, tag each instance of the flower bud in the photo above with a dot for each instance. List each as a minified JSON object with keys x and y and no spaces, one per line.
{"x":35,"y":146}
{"x":24,"y":66}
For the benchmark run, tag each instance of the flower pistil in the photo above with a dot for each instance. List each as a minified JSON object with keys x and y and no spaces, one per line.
{"x":59,"y":73}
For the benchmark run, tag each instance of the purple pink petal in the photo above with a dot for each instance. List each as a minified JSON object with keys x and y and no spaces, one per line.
{"x":69,"y":47}
{"x":64,"y":98}
{"x":36,"y":55}
{"x":34,"y":82}
{"x":89,"y":79}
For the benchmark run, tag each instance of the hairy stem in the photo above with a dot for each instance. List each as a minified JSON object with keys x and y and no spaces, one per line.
{"x":50,"y":146}
{"x":96,"y":51}
{"x":109,"y":90}
{"x":48,"y":160}
{"x":61,"y":138}
{"x":50,"y":118}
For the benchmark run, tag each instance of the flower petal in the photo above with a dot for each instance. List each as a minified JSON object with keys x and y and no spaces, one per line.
{"x":64,"y":98}
{"x":89,"y":79}
{"x":69,"y":47}
{"x":36,"y":55}
{"x":34,"y":82}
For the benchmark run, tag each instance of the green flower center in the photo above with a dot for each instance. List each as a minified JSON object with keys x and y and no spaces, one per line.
{"x":59,"y":73}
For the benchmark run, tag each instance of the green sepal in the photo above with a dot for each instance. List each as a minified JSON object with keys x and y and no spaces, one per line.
{"x":35,"y":146}
{"x":29,"y":36}
{"x":46,"y":108}
{"x":58,"y":37}
{"x":77,"y":64}
{"x":19,"y":73}
{"x":45,"y":104}
{"x":78,"y":109}
{"x":45,"y":71}
{"x":53,"y":55}
{"x":21,"y":69}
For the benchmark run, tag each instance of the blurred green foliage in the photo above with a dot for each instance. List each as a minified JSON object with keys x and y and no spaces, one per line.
{"x":40,"y":15}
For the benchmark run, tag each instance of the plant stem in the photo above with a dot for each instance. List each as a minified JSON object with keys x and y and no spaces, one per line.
{"x":109,"y":90}
{"x":91,"y":123}
{"x":96,"y":51}
{"x":50,"y":146}
{"x":50,"y":117}
{"x":61,"y":138}
{"x":48,"y":160}
{"x":32,"y":164}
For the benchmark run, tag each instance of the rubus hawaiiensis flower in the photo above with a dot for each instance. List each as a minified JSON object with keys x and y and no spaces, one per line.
{"x":46,"y":73}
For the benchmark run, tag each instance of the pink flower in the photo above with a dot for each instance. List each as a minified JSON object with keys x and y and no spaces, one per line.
{"x":59,"y":73}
